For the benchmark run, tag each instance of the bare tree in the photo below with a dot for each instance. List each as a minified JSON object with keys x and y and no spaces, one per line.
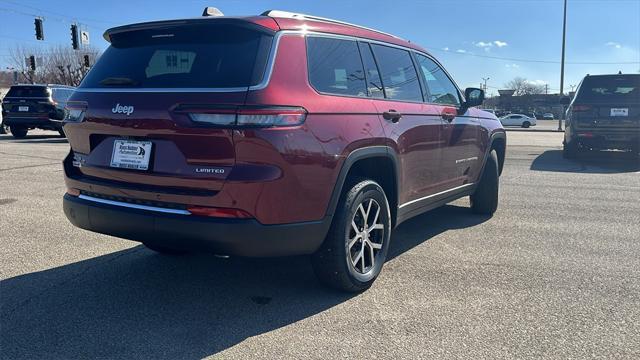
{"x":19,"y":59}
{"x":66,"y":66}
{"x":523,"y":87}
{"x":58,"y":64}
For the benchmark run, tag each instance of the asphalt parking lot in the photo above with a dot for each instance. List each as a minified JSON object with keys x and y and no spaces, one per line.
{"x":554,"y":274}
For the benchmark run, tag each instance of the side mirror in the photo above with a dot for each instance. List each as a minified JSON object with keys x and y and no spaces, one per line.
{"x":565,"y":100}
{"x":474,"y":97}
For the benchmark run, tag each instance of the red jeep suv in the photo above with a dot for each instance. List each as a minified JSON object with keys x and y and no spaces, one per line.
{"x":272,"y":135}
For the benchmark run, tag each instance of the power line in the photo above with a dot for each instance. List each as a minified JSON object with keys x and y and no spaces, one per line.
{"x":73,"y":19}
{"x":536,"y":61}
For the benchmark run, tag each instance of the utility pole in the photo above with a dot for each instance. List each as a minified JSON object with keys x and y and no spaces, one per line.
{"x":546,"y":88}
{"x":564,"y":37}
{"x":485,"y":83}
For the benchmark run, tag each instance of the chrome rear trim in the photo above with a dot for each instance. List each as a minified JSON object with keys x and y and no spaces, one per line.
{"x":134,"y":206}
{"x":465,"y":186}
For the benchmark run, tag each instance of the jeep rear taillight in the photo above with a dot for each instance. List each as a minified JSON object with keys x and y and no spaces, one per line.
{"x":74,"y":111}
{"x":245,"y":116}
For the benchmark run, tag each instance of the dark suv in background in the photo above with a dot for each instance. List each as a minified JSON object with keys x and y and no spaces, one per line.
{"x":34,"y":106}
{"x":604,"y":114}
{"x":279,"y":134}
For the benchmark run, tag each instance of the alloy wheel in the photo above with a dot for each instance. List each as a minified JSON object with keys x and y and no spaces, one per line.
{"x":365,"y":237}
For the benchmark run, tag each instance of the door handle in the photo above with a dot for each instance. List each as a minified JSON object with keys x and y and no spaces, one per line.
{"x":448,"y":114}
{"x":392,"y":115}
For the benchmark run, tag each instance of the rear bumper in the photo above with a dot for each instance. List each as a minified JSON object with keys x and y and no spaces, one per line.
{"x":241,"y":237}
{"x":33,"y":122}
{"x":607,"y":140}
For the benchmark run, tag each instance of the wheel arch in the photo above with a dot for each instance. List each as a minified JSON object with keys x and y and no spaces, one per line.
{"x":499,"y":144}
{"x":378,"y":163}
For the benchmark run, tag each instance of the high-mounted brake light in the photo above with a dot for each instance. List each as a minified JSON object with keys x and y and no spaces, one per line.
{"x":272,"y":116}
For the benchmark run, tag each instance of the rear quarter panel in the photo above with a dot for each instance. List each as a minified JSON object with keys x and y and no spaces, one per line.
{"x":311,"y":155}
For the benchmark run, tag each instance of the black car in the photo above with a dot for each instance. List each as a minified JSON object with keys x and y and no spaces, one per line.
{"x":3,"y":128}
{"x":604,"y":115}
{"x":35,"y":106}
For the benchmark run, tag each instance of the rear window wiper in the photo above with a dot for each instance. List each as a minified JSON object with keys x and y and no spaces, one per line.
{"x":118,"y":81}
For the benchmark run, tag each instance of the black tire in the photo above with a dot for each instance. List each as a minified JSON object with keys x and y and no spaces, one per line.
{"x":164,"y":250}
{"x":19,"y":132}
{"x":569,"y":150}
{"x":526,"y":124}
{"x":485,"y":198}
{"x":61,"y":132}
{"x":4,"y":129}
{"x":333,"y":263}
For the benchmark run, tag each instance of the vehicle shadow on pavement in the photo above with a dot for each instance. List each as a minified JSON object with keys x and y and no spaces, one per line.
{"x":421,"y":228}
{"x":597,"y":162}
{"x":138,"y":304}
{"x":40,"y":139}
{"x":36,"y":139}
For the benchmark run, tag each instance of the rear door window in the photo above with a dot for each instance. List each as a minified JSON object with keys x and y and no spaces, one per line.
{"x":335,"y":67}
{"x":399,"y":76}
{"x":374,"y":82}
{"x":194,"y":56}
{"x":441,"y":88}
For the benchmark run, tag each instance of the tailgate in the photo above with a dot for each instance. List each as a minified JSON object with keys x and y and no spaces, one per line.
{"x":181,"y":152}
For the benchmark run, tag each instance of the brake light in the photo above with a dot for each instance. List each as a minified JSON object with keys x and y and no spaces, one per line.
{"x":219,"y":212}
{"x":271,"y":117}
{"x":245,"y":116}
{"x":581,"y":108}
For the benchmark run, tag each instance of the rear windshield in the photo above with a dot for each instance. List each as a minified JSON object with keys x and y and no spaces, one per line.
{"x":617,"y":88}
{"x":28,"y":91}
{"x":196,"y":56}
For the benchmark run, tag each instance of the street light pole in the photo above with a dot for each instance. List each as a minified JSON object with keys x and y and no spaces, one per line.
{"x":564,"y":36}
{"x":485,"y":83}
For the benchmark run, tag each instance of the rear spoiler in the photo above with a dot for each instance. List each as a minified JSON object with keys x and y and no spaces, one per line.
{"x":259,"y":23}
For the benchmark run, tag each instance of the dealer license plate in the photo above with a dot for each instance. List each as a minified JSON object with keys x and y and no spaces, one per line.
{"x":131,"y":154}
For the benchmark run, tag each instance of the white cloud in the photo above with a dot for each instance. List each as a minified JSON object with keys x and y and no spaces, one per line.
{"x":614,"y":44}
{"x":482,"y":44}
{"x":445,"y":49}
{"x":490,"y":44}
{"x":513,"y":66}
{"x":537,"y":82}
{"x":461,"y":51}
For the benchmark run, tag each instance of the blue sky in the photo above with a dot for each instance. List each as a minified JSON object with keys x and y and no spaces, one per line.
{"x":463,"y":34}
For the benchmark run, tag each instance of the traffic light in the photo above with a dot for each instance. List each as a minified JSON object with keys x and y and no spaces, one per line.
{"x":74,"y":37}
{"x":39,"y":29}
{"x":86,"y":61}
{"x":32,"y":63}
